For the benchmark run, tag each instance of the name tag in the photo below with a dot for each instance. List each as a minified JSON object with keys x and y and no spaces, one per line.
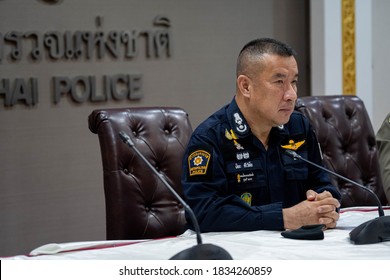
{"x":243,"y":165}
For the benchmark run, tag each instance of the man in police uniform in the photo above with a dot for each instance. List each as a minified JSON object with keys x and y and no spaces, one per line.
{"x":237,"y":175}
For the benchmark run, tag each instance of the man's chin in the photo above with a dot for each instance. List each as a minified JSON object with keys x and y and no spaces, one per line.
{"x":282,"y":122}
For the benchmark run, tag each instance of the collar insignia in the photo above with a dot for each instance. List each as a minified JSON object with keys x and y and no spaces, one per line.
{"x":292,"y":145}
{"x":240,"y":125}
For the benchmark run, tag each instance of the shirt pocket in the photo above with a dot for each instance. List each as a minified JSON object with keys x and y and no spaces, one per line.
{"x":247,"y":180}
{"x":295,"y":169}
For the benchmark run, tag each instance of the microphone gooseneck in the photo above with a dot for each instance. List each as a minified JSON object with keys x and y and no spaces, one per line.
{"x":372,"y":231}
{"x":126,"y":139}
{"x":296,"y":156}
{"x":201,"y":251}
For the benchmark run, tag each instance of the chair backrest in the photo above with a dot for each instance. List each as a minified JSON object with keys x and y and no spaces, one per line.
{"x":138,"y":205}
{"x":347,"y":140}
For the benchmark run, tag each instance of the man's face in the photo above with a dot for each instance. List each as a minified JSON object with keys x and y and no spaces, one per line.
{"x":274,"y":90}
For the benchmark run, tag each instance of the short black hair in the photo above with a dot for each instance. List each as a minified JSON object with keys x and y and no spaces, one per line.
{"x":259,"y":47}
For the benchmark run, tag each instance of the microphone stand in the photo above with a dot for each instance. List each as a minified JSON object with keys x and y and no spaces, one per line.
{"x":200,"y":251}
{"x":372,"y":231}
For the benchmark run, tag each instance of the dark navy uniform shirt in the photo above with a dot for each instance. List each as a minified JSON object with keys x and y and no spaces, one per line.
{"x":232,"y":182}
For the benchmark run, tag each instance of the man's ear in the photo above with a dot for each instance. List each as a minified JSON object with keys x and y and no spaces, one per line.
{"x":244,"y":85}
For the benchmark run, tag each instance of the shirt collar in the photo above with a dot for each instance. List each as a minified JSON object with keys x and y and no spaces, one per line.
{"x":240,"y":126}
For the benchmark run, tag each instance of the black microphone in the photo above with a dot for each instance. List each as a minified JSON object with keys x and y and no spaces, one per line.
{"x":372,"y":231}
{"x":200,"y":251}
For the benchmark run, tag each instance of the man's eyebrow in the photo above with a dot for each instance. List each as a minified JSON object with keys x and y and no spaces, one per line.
{"x":279,"y":75}
{"x":283,"y":76}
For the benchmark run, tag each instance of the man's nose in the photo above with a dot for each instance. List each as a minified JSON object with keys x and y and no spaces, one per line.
{"x":291,"y":93}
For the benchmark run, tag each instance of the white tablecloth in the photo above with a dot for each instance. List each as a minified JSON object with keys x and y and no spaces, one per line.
{"x":253,"y":245}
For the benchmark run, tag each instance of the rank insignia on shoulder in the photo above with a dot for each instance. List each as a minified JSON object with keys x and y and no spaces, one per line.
{"x":292,"y":145}
{"x":247,"y":197}
{"x":198,"y":162}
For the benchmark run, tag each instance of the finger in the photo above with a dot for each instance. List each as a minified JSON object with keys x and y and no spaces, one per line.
{"x":326,"y":209}
{"x":329,"y":201}
{"x":326,"y":221}
{"x":334,"y":216}
{"x":330,"y":225}
{"x":311,"y":195}
{"x":323,"y":195}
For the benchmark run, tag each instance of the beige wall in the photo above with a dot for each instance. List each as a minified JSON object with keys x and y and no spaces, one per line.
{"x":380,"y":61}
{"x":51,"y":187}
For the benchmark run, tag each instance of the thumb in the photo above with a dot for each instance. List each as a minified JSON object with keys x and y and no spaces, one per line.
{"x":311,"y":195}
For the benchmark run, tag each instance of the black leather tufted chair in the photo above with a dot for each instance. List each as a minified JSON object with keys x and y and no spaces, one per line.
{"x":347,"y":140}
{"x":138,"y":205}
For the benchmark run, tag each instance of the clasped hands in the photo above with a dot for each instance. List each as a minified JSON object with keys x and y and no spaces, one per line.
{"x":318,"y":208}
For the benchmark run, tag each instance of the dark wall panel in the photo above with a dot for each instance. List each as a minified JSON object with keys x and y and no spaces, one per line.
{"x":51,"y":187}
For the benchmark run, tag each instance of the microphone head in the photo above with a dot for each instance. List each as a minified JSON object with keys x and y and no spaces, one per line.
{"x":123,"y":136}
{"x":203,"y":252}
{"x":292,"y":153}
{"x":126,"y":138}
